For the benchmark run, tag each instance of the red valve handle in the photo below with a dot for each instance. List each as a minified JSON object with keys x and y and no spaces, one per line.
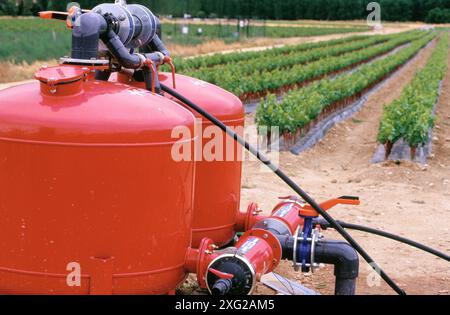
{"x":221,"y":275}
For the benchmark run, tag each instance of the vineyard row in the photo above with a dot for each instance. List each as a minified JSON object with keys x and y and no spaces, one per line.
{"x":301,"y":109}
{"x":258,"y":84}
{"x":410,"y":117}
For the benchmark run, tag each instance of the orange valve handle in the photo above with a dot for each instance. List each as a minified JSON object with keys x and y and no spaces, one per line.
{"x":53,"y":15}
{"x":58,"y":15}
{"x":221,"y":275}
{"x":308,"y":211}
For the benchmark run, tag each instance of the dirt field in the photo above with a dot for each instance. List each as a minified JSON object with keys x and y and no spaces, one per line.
{"x":405,"y":199}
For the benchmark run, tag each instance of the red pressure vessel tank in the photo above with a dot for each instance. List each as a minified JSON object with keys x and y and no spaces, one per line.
{"x":217,"y":181}
{"x":91,"y":200}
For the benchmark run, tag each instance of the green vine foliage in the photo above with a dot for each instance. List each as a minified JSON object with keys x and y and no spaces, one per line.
{"x":410,"y":117}
{"x":190,"y":64}
{"x":282,"y":71}
{"x":270,"y":62}
{"x":276,"y":72}
{"x":299,"y":107}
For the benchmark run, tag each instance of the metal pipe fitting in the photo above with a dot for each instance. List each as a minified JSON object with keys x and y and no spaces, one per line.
{"x":338,"y":253}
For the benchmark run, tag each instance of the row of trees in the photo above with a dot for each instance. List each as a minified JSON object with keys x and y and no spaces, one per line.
{"x":392,"y":10}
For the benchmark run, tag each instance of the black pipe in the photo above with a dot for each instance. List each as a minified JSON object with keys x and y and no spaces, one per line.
{"x":287,"y":244}
{"x":148,"y":75}
{"x":290,"y":183}
{"x":157,"y":45}
{"x":85,"y":36}
{"x":340,"y":254}
{"x":159,"y":30}
{"x":222,"y":287}
{"x":124,"y":57}
{"x":384,"y":234}
{"x":346,"y":264}
{"x":120,"y":52}
{"x":345,"y":286}
{"x":102,"y":75}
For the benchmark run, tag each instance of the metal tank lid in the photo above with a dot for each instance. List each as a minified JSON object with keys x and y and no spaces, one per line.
{"x":64,"y":80}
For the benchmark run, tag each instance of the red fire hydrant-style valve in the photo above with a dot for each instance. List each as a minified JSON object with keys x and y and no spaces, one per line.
{"x":197,"y":260}
{"x":236,"y":272}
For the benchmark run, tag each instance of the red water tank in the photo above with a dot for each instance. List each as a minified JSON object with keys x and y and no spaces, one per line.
{"x":91,"y":200}
{"x":217,"y":181}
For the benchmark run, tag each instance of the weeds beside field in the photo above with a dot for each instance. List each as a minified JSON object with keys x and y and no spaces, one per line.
{"x":12,"y":72}
{"x":31,"y":39}
{"x":230,"y":33}
{"x":27,"y":43}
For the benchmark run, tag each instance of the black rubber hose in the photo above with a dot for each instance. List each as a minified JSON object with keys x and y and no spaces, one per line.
{"x":290,"y":183}
{"x":391,"y":236}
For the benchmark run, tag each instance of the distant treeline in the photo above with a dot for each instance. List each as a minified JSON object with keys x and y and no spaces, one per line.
{"x":434,"y":11}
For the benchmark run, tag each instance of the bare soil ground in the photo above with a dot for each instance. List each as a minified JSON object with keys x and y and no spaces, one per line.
{"x":402,"y":198}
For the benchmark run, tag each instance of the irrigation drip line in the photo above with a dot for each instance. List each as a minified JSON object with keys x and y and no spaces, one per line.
{"x":261,"y":157}
{"x":391,"y":236}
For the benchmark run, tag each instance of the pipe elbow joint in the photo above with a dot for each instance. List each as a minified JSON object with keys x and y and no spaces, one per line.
{"x":340,"y":254}
{"x":85,"y":35}
{"x":121,"y":53}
